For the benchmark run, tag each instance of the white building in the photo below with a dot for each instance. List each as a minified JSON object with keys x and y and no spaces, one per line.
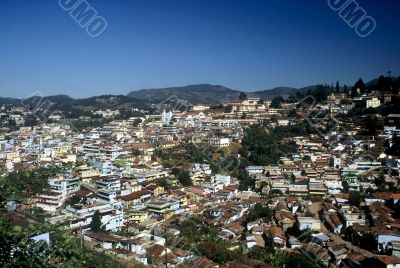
{"x":222,"y":179}
{"x":166,"y":117}
{"x":308,"y":223}
{"x":373,"y":103}
{"x":60,"y":188}
{"x":219,"y":142}
{"x":111,"y":216}
{"x":283,"y":122}
{"x":200,"y":108}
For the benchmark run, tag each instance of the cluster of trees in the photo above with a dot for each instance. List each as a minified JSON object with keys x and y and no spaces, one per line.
{"x":163,"y":182}
{"x":37,"y":214}
{"x":206,"y":241}
{"x":291,"y":260}
{"x":394,"y":149}
{"x":197,"y":155}
{"x":258,"y":212}
{"x":22,"y":185}
{"x":386,"y":84}
{"x":317,"y":93}
{"x":95,"y":224}
{"x":17,"y":249}
{"x":264,"y":147}
{"x":216,"y":250}
{"x":245,"y":181}
{"x":355,"y":198}
{"x":365,"y":240}
{"x":183,"y":176}
{"x":80,"y":125}
{"x":277,"y":102}
{"x":128,"y":113}
{"x":383,"y":186}
{"x":218,"y":160}
{"x":261,"y":146}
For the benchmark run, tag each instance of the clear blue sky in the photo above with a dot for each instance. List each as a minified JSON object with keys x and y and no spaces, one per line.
{"x":244,"y":45}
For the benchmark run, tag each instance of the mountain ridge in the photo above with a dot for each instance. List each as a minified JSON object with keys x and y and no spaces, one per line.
{"x":210,"y":94}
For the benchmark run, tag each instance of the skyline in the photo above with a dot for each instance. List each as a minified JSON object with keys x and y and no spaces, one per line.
{"x":156,"y":44}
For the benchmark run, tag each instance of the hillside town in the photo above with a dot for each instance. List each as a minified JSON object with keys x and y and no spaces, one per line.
{"x":248,"y":183}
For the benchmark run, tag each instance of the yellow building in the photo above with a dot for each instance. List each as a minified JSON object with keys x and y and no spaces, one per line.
{"x":136,"y":216}
{"x":155,"y":189}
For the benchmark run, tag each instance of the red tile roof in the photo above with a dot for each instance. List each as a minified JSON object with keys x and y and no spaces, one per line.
{"x":134,"y":195}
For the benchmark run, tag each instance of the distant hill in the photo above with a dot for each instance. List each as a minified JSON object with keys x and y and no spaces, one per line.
{"x":283,"y":92}
{"x":66,"y":103}
{"x":376,"y":80}
{"x":209,"y":94}
{"x":202,"y":93}
{"x":9,"y":101}
{"x":269,"y":94}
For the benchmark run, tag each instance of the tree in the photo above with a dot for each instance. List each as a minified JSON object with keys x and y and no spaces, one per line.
{"x":368,"y":241}
{"x":184,"y":178}
{"x":276,"y":102}
{"x":136,"y":152}
{"x":321,"y":93}
{"x":22,"y":185}
{"x":373,"y":125}
{"x":276,"y":192}
{"x":259,"y":211}
{"x":244,"y":180}
{"x":37,"y":213}
{"x":175,"y":171}
{"x":292,"y":179}
{"x":398,"y":82}
{"x":136,"y":122}
{"x":228,"y":109}
{"x":299,"y":261}
{"x":269,"y":255}
{"x":73,"y":200}
{"x":359,"y":85}
{"x":95,"y":224}
{"x":242,"y":96}
{"x":163,"y":182}
{"x":18,"y":250}
{"x":355,"y":198}
{"x":215,"y":250}
{"x":395,"y":148}
{"x":265,"y":147}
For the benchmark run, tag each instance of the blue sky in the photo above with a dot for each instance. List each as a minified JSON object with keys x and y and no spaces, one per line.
{"x":244,"y":45}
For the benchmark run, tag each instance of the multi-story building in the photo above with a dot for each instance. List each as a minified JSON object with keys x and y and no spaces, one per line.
{"x":218,"y":142}
{"x":373,"y":103}
{"x":60,"y":188}
{"x":79,"y":219}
